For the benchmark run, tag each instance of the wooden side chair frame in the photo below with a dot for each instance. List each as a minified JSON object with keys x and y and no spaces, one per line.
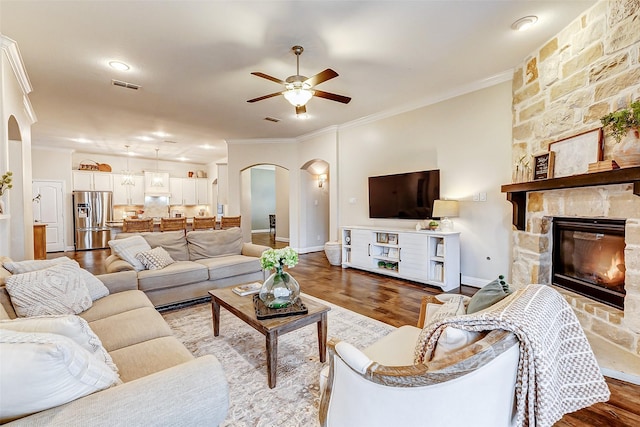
{"x":204,"y":223}
{"x":173,"y":224}
{"x":137,"y":225}
{"x":230,"y":221}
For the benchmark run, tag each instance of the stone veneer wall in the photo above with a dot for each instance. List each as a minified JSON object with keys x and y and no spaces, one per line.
{"x":590,"y":68}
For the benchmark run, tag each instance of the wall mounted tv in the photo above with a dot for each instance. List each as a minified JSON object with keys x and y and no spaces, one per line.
{"x":406,"y":195}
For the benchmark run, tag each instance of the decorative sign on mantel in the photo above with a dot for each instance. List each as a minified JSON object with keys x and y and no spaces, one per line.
{"x":543,"y":165}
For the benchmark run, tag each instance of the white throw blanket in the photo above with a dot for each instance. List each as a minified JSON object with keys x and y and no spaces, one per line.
{"x":557,"y":371}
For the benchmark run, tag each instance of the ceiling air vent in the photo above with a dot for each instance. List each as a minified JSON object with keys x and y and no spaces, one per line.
{"x":125,"y":84}
{"x":272,"y":119}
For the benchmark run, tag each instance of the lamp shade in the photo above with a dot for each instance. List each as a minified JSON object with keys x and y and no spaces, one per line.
{"x":445,"y":208}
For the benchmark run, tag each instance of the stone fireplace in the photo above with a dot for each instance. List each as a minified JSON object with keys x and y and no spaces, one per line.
{"x":533,"y":254}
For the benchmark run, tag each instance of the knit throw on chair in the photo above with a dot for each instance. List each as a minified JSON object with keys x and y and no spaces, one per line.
{"x":557,"y":371}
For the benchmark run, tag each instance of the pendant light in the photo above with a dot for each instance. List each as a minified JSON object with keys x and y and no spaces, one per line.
{"x":127,"y":175}
{"x":157,"y":180}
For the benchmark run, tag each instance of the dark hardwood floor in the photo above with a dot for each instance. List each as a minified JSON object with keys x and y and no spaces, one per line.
{"x":397,"y":302}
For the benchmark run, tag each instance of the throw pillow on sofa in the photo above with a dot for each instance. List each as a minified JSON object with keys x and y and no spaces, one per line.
{"x":214,"y":243}
{"x":128,"y":248}
{"x":155,"y":259}
{"x":54,"y":290}
{"x":96,"y":288}
{"x":40,"y":371}
{"x":27,"y":266}
{"x":488,"y":295}
{"x":68,"y":325}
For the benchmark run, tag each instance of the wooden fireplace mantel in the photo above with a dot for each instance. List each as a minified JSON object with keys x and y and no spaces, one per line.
{"x":517,"y":193}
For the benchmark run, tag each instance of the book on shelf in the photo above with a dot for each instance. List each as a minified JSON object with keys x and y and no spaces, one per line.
{"x":248,"y":289}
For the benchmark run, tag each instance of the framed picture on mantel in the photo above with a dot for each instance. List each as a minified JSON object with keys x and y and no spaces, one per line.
{"x":543,"y":165}
{"x":573,"y":154}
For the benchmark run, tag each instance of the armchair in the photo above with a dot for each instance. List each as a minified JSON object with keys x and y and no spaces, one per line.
{"x":381,"y":385}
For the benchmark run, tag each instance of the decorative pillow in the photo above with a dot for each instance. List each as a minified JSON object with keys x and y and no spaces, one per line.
{"x":128,"y":248}
{"x":20,"y":267}
{"x":97,"y":289}
{"x":214,"y":243}
{"x":155,"y":259}
{"x":55,"y":290}
{"x":70,"y":326}
{"x":436,"y":312}
{"x":40,"y":371}
{"x":488,"y":295}
{"x":453,"y":339}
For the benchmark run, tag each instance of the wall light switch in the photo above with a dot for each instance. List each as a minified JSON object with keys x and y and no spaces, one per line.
{"x":483,"y":197}
{"x":315,"y":202}
{"x":352,"y":200}
{"x":476,"y":197}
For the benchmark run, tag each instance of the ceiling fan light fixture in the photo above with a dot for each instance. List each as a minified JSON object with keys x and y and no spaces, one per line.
{"x":298,"y":96}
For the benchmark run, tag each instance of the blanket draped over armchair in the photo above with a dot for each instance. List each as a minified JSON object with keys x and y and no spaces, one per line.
{"x":557,"y":372}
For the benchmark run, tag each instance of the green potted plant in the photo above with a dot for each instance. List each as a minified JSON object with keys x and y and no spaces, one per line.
{"x":5,"y":184}
{"x":433,"y":225}
{"x":620,"y":122}
{"x":624,"y":126}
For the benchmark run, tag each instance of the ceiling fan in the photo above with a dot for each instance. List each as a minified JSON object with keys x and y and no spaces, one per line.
{"x":298,"y":90}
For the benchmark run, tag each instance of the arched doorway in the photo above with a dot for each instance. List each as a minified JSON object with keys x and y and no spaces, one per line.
{"x":265,"y":192}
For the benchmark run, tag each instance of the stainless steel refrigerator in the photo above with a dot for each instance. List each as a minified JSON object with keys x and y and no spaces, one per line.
{"x":91,"y":211}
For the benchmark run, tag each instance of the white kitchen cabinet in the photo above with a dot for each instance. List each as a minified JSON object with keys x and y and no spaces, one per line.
{"x":202,"y":191}
{"x":429,"y":257}
{"x":92,"y":181}
{"x":189,"y":194}
{"x":175,"y":187}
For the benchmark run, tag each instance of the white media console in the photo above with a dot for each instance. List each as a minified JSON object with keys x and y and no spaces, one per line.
{"x":430,"y":257}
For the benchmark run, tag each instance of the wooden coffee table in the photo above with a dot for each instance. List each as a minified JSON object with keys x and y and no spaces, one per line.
{"x":242,"y":307}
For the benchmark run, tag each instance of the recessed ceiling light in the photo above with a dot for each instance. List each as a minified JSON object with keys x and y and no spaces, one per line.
{"x":120,"y":66}
{"x":182,"y":159}
{"x":207,"y":147}
{"x":525,"y":23}
{"x":161,"y":134}
{"x":145,"y":138}
{"x":81,"y":140}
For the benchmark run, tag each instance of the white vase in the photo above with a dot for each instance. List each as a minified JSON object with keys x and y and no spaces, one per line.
{"x":627,"y":152}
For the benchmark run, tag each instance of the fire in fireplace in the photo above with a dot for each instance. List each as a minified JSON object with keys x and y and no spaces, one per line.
{"x":588,"y":257}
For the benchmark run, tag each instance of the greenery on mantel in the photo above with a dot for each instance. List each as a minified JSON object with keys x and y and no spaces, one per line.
{"x":620,"y":122}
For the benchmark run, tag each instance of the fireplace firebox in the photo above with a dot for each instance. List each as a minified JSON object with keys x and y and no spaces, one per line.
{"x":588,"y":257}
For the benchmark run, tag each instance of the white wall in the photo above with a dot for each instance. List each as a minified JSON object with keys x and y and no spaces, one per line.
{"x":14,"y":101}
{"x":468,"y":139}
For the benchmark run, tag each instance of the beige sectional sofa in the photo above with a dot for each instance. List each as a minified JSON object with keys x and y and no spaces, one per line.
{"x":162,"y":383}
{"x":205,"y":260}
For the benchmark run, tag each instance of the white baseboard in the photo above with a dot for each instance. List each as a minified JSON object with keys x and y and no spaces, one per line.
{"x":311,"y":249}
{"x":476,"y":282}
{"x":266,"y":230}
{"x":622,"y":376}
{"x":282,"y":239}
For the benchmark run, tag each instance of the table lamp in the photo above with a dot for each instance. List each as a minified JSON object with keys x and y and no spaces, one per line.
{"x":445,"y":209}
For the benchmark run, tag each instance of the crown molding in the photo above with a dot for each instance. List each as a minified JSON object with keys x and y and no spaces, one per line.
{"x":461,"y":90}
{"x":29,"y":109}
{"x":10,"y":47}
{"x":319,"y":132}
{"x":261,"y":141}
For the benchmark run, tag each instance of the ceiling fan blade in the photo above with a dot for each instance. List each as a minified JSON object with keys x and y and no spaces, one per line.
{"x":331,"y":96}
{"x":322,"y":76}
{"x":271,"y":95}
{"x":301,"y":109}
{"x":268,"y":77}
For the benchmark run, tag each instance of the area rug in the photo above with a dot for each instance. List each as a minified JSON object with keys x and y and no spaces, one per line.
{"x":241,"y":350}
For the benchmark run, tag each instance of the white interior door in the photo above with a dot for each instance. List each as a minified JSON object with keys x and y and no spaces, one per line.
{"x":48,"y":209}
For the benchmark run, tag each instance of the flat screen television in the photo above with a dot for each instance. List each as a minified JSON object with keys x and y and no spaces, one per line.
{"x":405,"y":195}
